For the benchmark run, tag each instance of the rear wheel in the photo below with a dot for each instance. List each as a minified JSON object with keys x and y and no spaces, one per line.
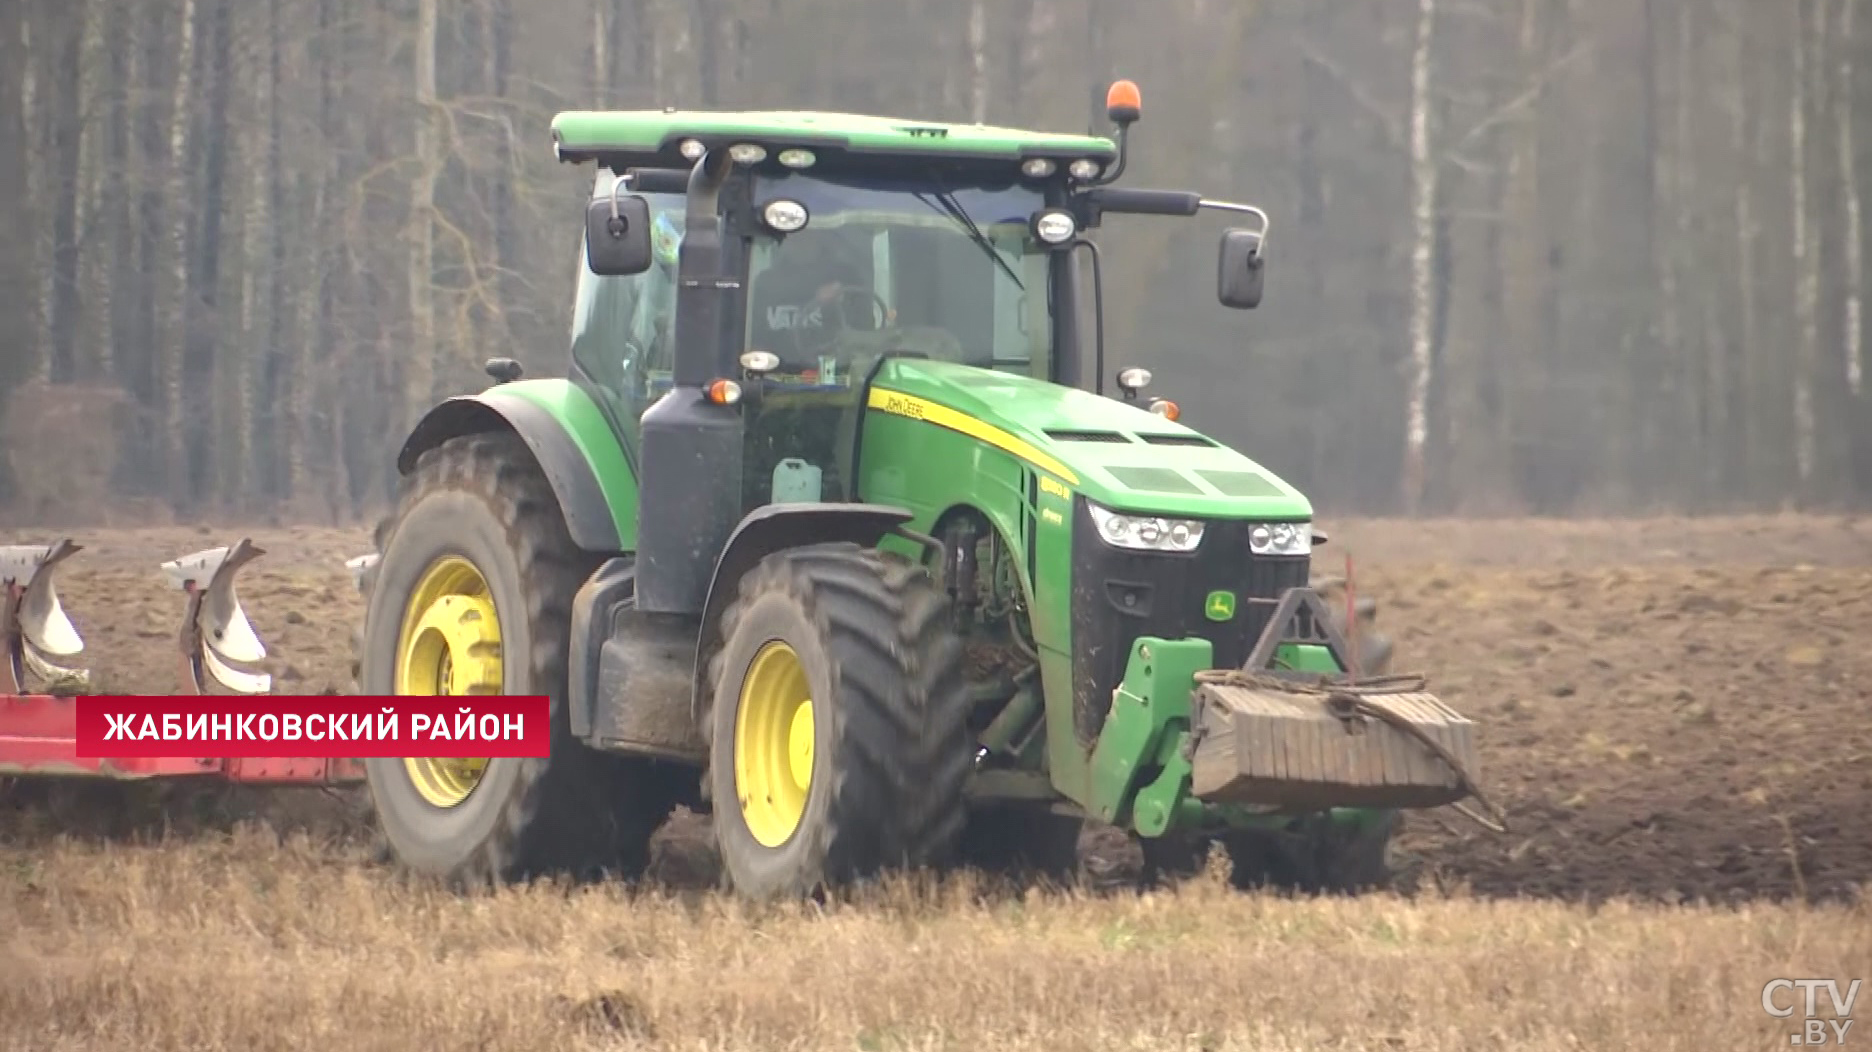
{"x":837,"y":722}
{"x":472,"y":597}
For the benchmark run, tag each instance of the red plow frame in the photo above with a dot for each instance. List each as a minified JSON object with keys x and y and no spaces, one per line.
{"x":217,"y":651}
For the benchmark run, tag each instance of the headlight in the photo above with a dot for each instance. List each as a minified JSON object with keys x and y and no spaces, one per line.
{"x":784,"y":216}
{"x":1054,"y":227}
{"x":1281,"y":538}
{"x":1146,"y":533}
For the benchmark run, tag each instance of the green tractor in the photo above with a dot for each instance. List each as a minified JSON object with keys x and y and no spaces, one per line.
{"x":831,"y":534}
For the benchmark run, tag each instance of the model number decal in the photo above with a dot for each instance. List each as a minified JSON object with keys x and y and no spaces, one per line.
{"x":1053,"y":486}
{"x":922,"y":409}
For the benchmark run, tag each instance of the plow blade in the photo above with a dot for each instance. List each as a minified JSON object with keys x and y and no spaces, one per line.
{"x":216,"y":635}
{"x":1277,"y":744}
{"x":33,"y":625}
{"x":38,"y":730}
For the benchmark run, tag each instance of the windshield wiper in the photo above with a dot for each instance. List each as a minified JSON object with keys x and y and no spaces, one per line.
{"x":953,"y":209}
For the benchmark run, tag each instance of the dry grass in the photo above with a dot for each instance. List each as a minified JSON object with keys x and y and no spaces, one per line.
{"x":250,"y":942}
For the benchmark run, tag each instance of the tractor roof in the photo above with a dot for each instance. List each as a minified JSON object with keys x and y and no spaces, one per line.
{"x":622,"y":139}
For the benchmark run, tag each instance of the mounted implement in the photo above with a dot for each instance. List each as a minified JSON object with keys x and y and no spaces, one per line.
{"x":217,"y":651}
{"x":832,"y":530}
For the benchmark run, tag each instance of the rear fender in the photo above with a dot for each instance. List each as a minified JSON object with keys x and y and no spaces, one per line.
{"x":773,"y":528}
{"x":571,"y":441}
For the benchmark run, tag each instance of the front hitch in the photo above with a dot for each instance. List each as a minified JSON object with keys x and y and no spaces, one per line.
{"x":1304,"y":741}
{"x":33,"y":625}
{"x":216,"y":634}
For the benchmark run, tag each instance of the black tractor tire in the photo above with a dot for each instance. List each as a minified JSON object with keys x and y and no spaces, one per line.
{"x":1172,"y":857}
{"x":1022,"y":841}
{"x":1373,"y":646}
{"x":872,"y":647}
{"x":578,"y":812}
{"x":1312,"y":856}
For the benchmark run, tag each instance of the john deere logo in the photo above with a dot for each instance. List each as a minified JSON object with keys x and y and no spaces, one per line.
{"x":1220,"y":606}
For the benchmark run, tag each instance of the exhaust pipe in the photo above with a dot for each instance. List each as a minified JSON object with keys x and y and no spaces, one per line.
{"x":216,"y":634}
{"x":33,"y":625}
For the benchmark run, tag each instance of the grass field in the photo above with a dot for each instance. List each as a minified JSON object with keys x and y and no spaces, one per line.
{"x":253,"y":943}
{"x":1673,"y":714}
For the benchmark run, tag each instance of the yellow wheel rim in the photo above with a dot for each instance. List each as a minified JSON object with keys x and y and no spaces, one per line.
{"x":449,"y":644}
{"x":773,"y":746}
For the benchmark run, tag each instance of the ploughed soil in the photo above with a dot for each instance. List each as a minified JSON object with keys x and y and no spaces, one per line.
{"x":1668,"y":708}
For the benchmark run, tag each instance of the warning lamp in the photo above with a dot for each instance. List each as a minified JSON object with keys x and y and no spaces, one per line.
{"x":1123,"y":103}
{"x":724,"y":392}
{"x":1165,"y":408}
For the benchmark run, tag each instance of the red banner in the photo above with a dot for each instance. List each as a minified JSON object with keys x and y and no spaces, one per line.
{"x":318,"y":725}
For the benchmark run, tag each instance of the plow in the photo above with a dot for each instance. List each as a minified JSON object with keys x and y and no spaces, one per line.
{"x":839,"y":530}
{"x":217,"y":652}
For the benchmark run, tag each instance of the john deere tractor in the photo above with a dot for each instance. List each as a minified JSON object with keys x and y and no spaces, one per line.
{"x":834,"y":531}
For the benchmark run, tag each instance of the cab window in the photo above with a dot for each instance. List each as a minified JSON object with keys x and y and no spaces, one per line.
{"x":621,"y":325}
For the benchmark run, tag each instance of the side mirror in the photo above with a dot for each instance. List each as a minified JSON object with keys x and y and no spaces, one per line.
{"x":1241,"y":269}
{"x":617,"y":235}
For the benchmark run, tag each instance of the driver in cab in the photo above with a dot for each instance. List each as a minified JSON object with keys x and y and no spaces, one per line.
{"x":804,"y":297}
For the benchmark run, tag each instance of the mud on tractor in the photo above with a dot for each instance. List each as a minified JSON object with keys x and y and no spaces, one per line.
{"x":829,"y":532}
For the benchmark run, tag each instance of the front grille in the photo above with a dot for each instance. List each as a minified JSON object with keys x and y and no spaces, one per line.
{"x":1119,"y":595}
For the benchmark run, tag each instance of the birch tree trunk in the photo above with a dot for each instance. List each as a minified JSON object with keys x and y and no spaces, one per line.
{"x":1853,"y":323}
{"x":419,"y":386}
{"x":1806,"y":260}
{"x":978,"y":61}
{"x":1423,"y":257}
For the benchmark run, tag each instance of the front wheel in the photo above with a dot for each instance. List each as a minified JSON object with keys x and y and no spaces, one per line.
{"x":838,"y":734}
{"x":472,"y":597}
{"x":1023,"y":841}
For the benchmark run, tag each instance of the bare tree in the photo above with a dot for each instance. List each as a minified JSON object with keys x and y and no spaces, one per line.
{"x":1424,"y":174}
{"x":1853,"y":319}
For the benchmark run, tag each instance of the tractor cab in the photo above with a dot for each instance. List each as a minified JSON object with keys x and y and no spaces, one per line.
{"x":831,"y":271}
{"x":810,"y":249}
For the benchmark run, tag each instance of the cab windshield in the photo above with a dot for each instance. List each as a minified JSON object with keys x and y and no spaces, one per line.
{"x":899,"y":264}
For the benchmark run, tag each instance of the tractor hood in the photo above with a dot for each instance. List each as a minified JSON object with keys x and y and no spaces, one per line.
{"x":1118,"y":454}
